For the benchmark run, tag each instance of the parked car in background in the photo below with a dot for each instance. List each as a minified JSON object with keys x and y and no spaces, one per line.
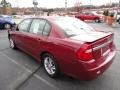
{"x":90,"y":16}
{"x":6,"y":22}
{"x":65,"y":45}
{"x":118,"y":20}
{"x":118,"y":17}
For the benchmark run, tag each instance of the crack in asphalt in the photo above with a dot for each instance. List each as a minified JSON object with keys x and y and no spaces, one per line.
{"x":19,"y":82}
{"x":4,"y":49}
{"x":28,"y":78}
{"x":16,"y":85}
{"x":3,"y":37}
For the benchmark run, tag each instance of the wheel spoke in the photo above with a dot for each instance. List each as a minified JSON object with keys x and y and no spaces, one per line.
{"x":11,"y":43}
{"x":49,"y":65}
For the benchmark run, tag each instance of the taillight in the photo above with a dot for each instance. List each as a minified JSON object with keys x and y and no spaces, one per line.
{"x":85,"y":53}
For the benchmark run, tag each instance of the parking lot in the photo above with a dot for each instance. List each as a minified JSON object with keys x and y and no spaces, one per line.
{"x":19,"y":71}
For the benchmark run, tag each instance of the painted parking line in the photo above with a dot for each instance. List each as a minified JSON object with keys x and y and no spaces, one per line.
{"x":46,"y":82}
{"x":4,"y":49}
{"x":26,"y":76}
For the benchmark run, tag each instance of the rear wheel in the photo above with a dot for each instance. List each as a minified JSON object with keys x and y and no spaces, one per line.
{"x":12,"y":44}
{"x":50,"y":65}
{"x":119,"y":21}
{"x":97,"y":20}
{"x":7,"y":26}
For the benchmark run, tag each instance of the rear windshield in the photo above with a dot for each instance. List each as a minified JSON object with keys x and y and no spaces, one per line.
{"x":73,"y":26}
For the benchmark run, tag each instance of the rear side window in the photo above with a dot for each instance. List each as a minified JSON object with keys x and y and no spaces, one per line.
{"x":37,"y":26}
{"x":47,"y":29}
{"x":73,"y":26}
{"x":24,"y":25}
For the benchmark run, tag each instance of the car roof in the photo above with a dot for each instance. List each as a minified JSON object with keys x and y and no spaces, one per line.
{"x":51,"y":18}
{"x":5,"y":15}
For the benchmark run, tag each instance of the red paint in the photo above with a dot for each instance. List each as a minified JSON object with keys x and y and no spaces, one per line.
{"x":88,"y":16}
{"x":70,"y":53}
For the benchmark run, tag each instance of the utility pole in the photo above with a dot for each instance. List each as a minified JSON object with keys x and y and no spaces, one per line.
{"x":17,"y":6}
{"x":90,"y":5}
{"x":35,"y":3}
{"x":110,"y":5}
{"x":66,"y":6}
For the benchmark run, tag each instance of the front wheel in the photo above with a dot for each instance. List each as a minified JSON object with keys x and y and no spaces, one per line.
{"x":50,"y":65}
{"x":12,"y":44}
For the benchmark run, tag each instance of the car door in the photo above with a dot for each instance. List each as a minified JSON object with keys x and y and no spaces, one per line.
{"x":86,"y":16}
{"x":37,"y":36}
{"x":19,"y":34}
{"x":90,"y":16}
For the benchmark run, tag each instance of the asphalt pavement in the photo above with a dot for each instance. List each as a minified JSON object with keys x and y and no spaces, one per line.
{"x":19,"y":71}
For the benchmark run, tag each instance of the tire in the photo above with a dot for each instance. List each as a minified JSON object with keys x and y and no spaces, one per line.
{"x":50,"y":65}
{"x":7,"y":26}
{"x":12,"y":44}
{"x":97,"y":20}
{"x":119,"y":21}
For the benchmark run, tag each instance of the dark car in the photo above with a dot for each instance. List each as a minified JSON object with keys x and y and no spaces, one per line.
{"x":6,"y":22}
{"x":89,"y":16}
{"x":118,"y":20}
{"x":65,"y":45}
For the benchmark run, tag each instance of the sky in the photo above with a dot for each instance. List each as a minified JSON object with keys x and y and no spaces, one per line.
{"x":56,"y":3}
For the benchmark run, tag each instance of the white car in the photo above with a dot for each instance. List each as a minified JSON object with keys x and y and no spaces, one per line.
{"x":118,"y":20}
{"x":117,"y":15}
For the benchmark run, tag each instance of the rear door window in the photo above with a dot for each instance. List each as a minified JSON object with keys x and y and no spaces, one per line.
{"x":47,"y":29}
{"x":37,"y":26}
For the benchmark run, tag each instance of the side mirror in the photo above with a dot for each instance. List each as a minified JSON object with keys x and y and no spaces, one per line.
{"x":14,"y":28}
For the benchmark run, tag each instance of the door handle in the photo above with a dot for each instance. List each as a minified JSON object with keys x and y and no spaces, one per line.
{"x":39,"y":39}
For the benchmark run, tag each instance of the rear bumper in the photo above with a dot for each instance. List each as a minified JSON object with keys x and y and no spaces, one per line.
{"x":83,"y":71}
{"x":99,"y":69}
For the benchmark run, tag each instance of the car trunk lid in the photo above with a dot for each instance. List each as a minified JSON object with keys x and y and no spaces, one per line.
{"x":101,"y":43}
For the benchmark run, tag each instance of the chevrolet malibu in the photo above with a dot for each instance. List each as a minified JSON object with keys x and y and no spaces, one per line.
{"x":65,"y":45}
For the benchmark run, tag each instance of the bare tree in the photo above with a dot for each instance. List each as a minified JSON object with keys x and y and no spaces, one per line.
{"x":78,"y":6}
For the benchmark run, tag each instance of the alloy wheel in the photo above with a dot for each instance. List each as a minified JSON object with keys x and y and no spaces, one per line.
{"x":49,"y":66}
{"x":12,"y":45}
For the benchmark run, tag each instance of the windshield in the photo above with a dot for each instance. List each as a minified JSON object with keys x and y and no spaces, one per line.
{"x":73,"y":26}
{"x":94,"y":13}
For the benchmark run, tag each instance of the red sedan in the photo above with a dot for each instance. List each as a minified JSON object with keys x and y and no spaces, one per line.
{"x":65,"y":45}
{"x":89,"y":16}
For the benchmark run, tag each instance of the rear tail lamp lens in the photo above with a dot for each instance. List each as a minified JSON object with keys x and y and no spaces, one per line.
{"x":85,"y":53}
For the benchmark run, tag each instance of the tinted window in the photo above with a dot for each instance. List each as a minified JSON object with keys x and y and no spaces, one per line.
{"x":47,"y":29}
{"x":73,"y":26}
{"x":23,"y":26}
{"x":37,"y":26}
